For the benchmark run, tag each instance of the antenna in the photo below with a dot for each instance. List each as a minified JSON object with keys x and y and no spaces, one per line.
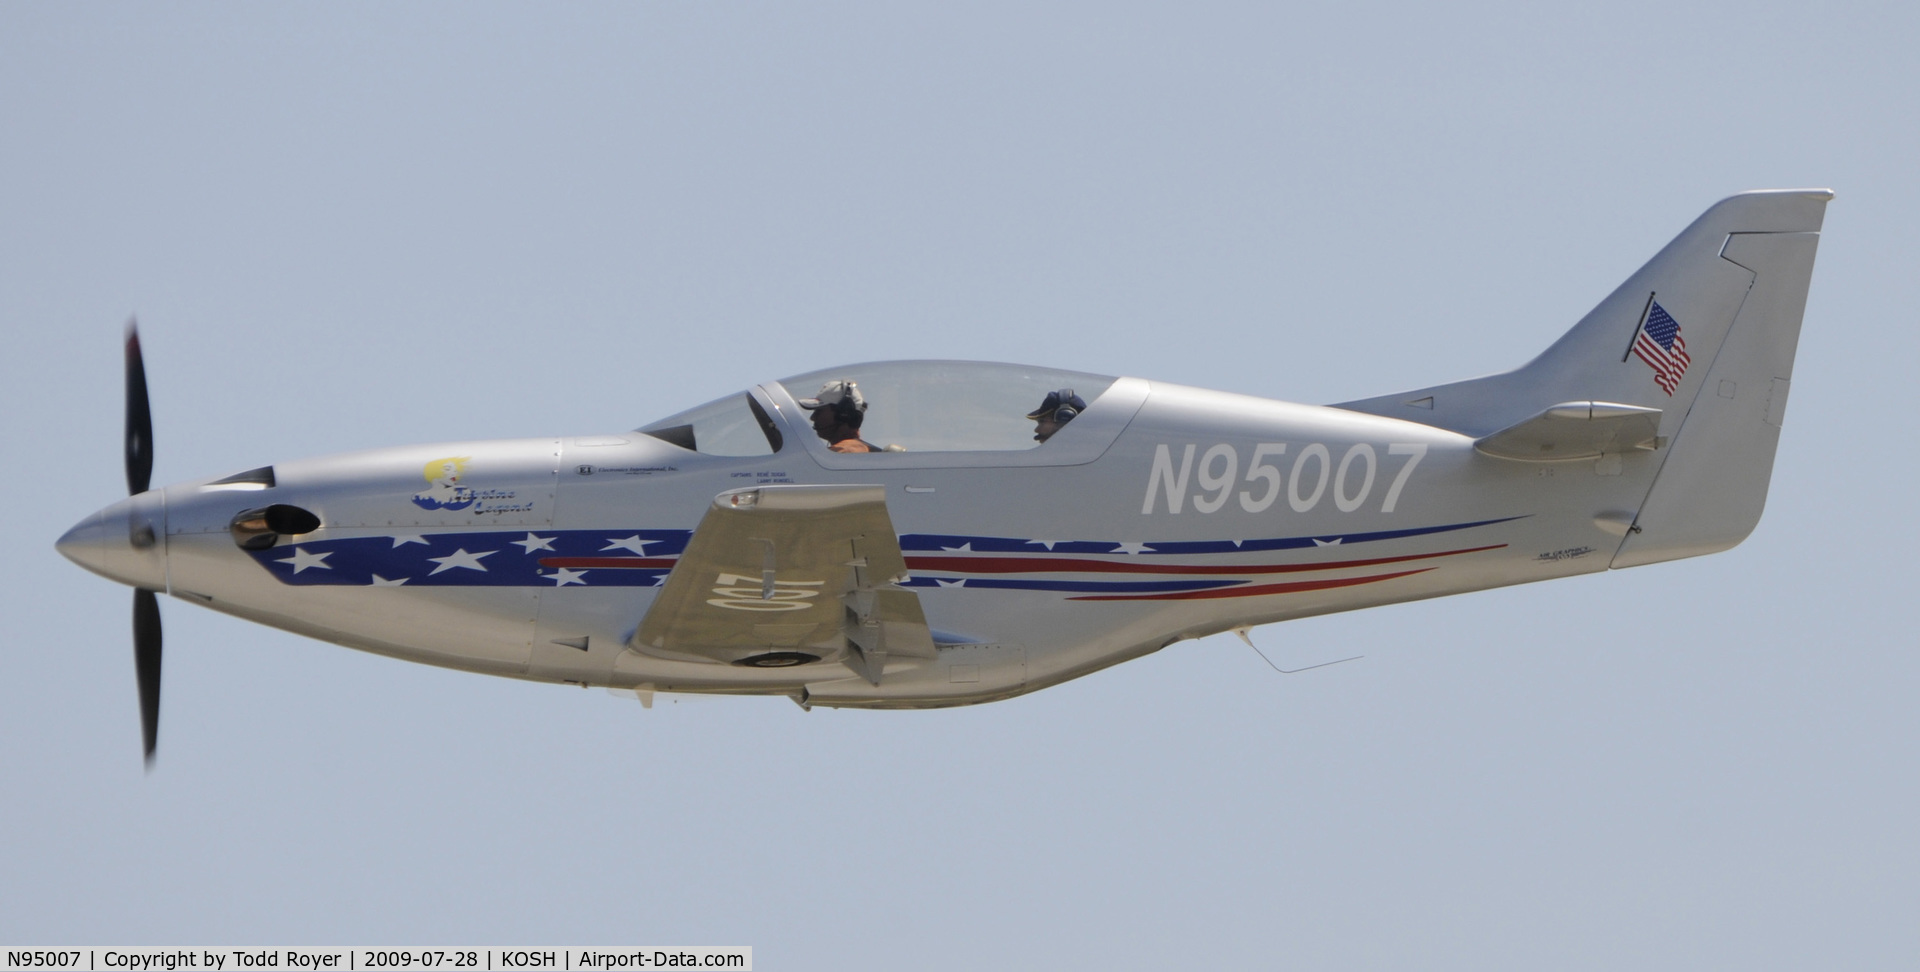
{"x":1242,"y":632}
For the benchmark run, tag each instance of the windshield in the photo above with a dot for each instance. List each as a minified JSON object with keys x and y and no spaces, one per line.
{"x":732,"y":426}
{"x":943,"y":406}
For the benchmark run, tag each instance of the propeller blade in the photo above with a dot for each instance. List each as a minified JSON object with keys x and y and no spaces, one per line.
{"x":139,"y":422}
{"x":146,"y":664}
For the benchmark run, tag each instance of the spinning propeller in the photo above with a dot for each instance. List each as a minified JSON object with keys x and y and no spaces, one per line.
{"x":146,"y":604}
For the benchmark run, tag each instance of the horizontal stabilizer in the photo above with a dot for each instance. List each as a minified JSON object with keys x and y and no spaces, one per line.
{"x":1576,"y":430}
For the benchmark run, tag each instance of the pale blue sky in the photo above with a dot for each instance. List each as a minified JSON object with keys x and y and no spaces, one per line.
{"x":348,"y":226}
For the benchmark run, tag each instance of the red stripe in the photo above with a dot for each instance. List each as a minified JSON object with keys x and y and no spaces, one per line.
{"x":1675,"y":359}
{"x":615,"y":563}
{"x":1255,"y":591}
{"x":1651,"y":353}
{"x":1666,"y":373}
{"x":1048,"y":565}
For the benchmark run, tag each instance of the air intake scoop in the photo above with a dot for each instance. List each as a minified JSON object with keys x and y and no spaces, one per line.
{"x":262,"y":528}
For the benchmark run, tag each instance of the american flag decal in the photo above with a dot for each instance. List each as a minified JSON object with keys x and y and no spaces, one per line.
{"x":1660,"y":345}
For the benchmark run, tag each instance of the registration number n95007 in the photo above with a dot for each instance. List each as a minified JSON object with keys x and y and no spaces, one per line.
{"x":1312,"y":475}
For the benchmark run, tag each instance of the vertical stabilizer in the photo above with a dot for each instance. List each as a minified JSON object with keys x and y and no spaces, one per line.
{"x":1705,"y":332}
{"x":1699,"y":288}
{"x":1710,"y":491}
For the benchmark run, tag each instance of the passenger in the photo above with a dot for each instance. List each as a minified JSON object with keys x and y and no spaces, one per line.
{"x":838,"y":410}
{"x":1056,"y":410}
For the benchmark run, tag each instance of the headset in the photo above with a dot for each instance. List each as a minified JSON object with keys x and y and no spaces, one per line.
{"x":1063,"y":410}
{"x":847,"y":413}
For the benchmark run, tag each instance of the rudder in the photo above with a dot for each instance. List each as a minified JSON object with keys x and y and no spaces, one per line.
{"x":1713,"y":486}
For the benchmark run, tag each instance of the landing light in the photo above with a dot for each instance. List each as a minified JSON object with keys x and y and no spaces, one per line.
{"x":778,"y":659}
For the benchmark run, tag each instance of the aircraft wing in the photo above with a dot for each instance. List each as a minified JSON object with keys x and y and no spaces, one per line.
{"x":781,"y":575}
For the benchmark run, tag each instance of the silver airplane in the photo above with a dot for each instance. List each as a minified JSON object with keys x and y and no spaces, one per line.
{"x":913,"y":534}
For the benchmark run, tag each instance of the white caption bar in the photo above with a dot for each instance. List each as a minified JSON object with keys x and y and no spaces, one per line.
{"x":323,"y":959}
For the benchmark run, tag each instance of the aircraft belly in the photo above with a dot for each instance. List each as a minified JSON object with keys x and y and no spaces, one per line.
{"x":583,"y":630}
{"x":960,"y":675}
{"x":448,"y":634}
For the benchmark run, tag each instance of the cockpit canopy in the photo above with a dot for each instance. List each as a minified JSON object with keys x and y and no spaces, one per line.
{"x":911,"y":406}
{"x":736,"y":425}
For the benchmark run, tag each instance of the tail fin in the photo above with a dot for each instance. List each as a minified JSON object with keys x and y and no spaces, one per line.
{"x":1705,"y":332}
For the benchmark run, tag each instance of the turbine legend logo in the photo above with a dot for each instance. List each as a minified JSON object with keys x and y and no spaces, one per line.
{"x":445,"y":490}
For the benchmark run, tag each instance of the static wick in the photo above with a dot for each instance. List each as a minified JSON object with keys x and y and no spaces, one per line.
{"x":1242,"y":632}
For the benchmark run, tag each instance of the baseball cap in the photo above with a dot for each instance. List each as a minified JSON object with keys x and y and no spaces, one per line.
{"x":836,"y":393}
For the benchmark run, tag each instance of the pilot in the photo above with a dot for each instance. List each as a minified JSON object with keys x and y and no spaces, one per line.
{"x":1056,"y":410}
{"x":838,"y":410}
